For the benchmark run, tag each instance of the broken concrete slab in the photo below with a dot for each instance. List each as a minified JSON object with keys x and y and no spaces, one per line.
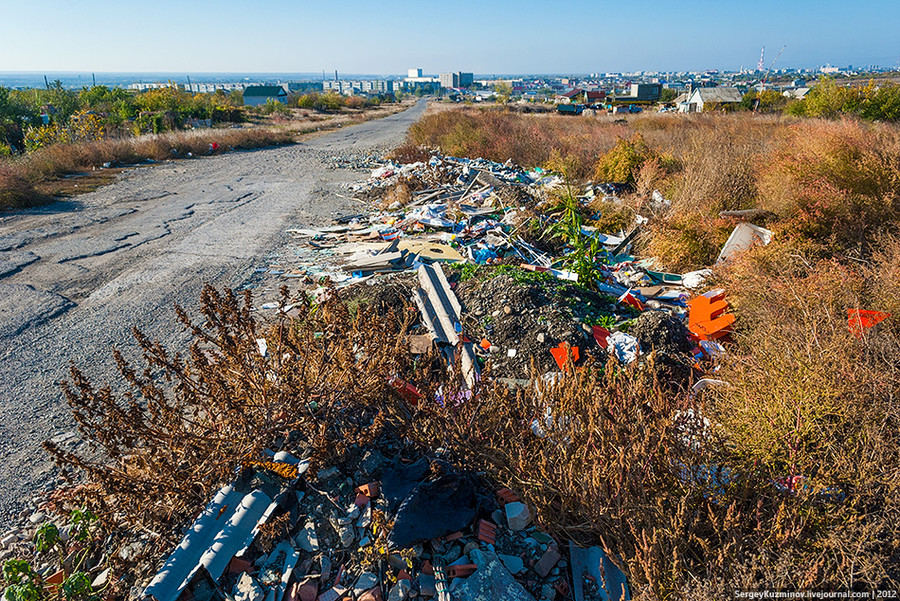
{"x":517,"y":516}
{"x":491,"y":581}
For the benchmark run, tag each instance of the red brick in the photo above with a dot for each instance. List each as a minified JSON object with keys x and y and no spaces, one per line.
{"x":461,"y":571}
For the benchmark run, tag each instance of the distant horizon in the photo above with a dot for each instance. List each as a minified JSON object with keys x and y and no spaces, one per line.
{"x":329,"y":75}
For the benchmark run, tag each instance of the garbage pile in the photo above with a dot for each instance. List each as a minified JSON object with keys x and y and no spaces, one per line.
{"x":384,"y":523}
{"x":381,"y":527}
{"x":467,"y":213}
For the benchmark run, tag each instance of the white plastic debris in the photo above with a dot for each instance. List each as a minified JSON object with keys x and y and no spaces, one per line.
{"x":626,"y":348}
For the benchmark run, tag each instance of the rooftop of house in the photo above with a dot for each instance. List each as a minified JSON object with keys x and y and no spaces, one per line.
{"x":264,"y":91}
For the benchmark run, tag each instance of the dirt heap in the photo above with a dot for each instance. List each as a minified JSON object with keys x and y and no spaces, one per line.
{"x":522,"y":315}
{"x":666,"y":336}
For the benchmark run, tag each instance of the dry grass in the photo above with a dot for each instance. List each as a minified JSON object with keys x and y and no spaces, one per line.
{"x":20,"y":177}
{"x":529,"y":140}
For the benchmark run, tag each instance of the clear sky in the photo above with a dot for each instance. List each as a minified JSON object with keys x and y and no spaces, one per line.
{"x":391,"y":36}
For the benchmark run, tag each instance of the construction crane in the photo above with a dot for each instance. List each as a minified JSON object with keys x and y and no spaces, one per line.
{"x":766,"y":78}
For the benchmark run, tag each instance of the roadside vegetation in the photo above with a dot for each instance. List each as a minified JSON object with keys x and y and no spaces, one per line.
{"x":801,"y":488}
{"x":785,"y":477}
{"x":48,"y":134}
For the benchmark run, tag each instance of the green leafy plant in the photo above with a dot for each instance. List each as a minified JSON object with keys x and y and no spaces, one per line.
{"x":23,"y":581}
{"x":78,"y":587}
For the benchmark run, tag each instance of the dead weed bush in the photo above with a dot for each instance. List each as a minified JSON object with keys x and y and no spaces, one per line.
{"x":835,"y":183}
{"x":185,"y":423}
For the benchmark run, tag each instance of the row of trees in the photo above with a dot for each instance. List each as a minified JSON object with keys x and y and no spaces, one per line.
{"x":828,"y":99}
{"x":36,"y":117}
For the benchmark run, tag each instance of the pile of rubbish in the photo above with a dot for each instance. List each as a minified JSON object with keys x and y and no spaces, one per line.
{"x":381,"y":527}
{"x":384,"y":523}
{"x":466,"y":213}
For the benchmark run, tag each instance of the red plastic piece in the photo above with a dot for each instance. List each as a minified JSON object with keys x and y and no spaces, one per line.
{"x":859,"y":320}
{"x":407,"y":391}
{"x":629,"y":299}
{"x":600,"y":335}
{"x":485,"y":344}
{"x":562,"y":352}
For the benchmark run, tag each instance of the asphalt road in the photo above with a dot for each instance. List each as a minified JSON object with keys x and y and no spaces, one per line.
{"x":76,"y":276}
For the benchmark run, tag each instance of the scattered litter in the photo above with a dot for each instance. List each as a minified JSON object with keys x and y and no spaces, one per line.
{"x":743,"y":237}
{"x":859,"y":320}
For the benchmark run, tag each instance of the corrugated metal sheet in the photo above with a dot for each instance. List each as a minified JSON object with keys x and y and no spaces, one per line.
{"x":226,"y":527}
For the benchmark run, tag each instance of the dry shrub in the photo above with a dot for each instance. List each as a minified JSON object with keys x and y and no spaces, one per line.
{"x":399,"y":195}
{"x":408,"y":153}
{"x":185,"y":423}
{"x":715,"y":156}
{"x":835,"y":183}
{"x":528,"y":139}
{"x":719,"y":173}
{"x":16,"y":192}
{"x":815,"y":406}
{"x":652,"y":175}
{"x":683,"y":242}
{"x":613,"y":216}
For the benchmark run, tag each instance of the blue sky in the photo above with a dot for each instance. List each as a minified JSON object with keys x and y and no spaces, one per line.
{"x":356,"y":36}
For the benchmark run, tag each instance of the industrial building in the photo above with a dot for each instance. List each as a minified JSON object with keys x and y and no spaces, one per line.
{"x":456,"y":80}
{"x":363,"y":87}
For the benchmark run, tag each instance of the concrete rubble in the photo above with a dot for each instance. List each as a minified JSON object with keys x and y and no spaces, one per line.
{"x":450,"y":537}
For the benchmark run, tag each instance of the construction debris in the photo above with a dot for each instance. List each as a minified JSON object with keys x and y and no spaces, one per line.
{"x":451,"y":237}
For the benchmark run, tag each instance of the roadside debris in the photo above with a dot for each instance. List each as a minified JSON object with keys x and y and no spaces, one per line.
{"x":455,"y":247}
{"x":422,"y":530}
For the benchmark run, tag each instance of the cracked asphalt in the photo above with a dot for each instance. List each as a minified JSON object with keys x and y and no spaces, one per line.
{"x":77,"y":275}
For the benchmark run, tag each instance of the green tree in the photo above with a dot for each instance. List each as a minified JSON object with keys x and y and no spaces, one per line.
{"x":882,"y":103}
{"x":15,"y":116}
{"x":503,"y":89}
{"x":828,"y":99}
{"x":668,"y":95}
